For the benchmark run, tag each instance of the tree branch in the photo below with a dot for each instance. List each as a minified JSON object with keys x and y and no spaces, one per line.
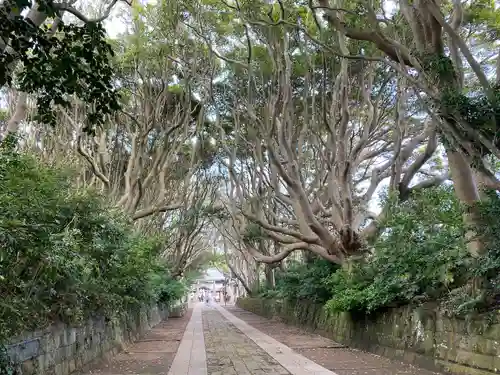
{"x":70,"y":9}
{"x":154,"y":210}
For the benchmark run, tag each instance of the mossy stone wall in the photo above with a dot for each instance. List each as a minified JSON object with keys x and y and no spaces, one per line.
{"x":61,"y":349}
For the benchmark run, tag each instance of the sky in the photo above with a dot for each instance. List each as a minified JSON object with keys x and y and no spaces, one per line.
{"x":115,"y":24}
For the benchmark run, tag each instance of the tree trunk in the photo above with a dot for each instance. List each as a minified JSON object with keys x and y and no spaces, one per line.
{"x":270,"y":278}
{"x":240,"y":279}
{"x":467,"y":192}
{"x":256,"y":281}
{"x":19,"y":114}
{"x":482,"y":184}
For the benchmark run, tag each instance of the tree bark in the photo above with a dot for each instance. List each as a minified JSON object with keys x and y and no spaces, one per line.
{"x":19,"y":114}
{"x":270,"y":277}
{"x":241,"y":279}
{"x":256,"y":282}
{"x":467,"y":192}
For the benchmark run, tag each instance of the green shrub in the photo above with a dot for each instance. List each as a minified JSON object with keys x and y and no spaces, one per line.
{"x":420,"y":257}
{"x":172,"y":291}
{"x":66,"y":254}
{"x":271,"y":293}
{"x":303,"y":281}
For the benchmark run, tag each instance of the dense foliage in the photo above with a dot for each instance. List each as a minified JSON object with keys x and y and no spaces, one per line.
{"x":65,"y":254}
{"x":484,"y":270}
{"x":421,"y":257}
{"x":303,"y":281}
{"x":73,"y":60}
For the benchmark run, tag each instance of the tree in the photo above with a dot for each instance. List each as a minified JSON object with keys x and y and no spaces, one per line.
{"x":465,"y":122}
{"x":151,"y":158}
{"x":189,"y":228}
{"x":306,"y":144}
{"x":143,"y":158}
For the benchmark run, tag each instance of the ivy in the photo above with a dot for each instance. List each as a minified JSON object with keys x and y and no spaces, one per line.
{"x":478,"y":111}
{"x":440,"y":67}
{"x":7,"y":366}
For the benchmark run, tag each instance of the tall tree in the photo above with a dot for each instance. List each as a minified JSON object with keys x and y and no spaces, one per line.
{"x":309,"y":136}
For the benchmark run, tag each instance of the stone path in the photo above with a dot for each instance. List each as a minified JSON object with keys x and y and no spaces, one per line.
{"x":231,"y":341}
{"x":230,"y":352}
{"x":191,"y":357}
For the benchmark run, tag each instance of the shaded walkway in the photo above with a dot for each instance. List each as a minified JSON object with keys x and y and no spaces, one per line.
{"x":213,"y":340}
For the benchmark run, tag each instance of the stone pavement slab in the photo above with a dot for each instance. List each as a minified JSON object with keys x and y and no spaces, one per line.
{"x":295,"y":363}
{"x":212,"y":340}
{"x":230,"y":352}
{"x":325,"y":352}
{"x":191,"y":358}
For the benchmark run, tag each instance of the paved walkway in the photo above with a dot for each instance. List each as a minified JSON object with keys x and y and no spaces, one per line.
{"x":153,"y":354}
{"x":231,"y":341}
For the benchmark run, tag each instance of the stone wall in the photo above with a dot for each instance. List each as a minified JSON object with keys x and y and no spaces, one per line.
{"x":420,"y":336}
{"x":61,"y":349}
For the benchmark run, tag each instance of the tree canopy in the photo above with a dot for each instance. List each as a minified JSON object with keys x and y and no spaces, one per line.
{"x":352,"y":144}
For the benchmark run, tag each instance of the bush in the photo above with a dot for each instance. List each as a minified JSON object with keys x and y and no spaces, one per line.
{"x":420,"y":257}
{"x":303,"y":281}
{"x":65,"y":254}
{"x":172,"y":291}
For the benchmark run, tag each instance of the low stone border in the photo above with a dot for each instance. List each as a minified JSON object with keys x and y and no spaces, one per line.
{"x":62,"y":349}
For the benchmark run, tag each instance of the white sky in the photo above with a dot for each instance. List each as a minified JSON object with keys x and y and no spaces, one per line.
{"x":116,"y":24}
